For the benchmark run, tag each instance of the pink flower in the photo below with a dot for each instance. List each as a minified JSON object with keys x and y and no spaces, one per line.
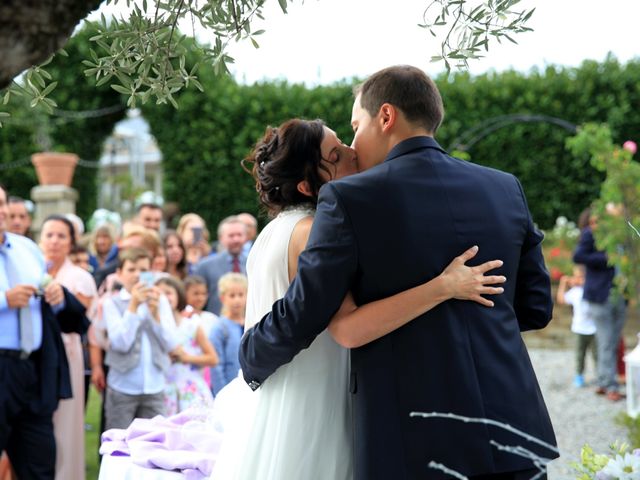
{"x":630,"y":146}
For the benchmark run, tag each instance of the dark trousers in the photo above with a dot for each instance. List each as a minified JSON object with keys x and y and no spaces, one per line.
{"x":583,"y":343}
{"x":26,"y":435}
{"x":519,"y":475}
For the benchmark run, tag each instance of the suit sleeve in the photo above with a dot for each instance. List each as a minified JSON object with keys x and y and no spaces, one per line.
{"x":72,"y":318}
{"x":326,"y":270}
{"x":533,"y":302}
{"x":586,"y":253}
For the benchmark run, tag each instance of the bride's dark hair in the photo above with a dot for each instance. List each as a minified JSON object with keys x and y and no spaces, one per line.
{"x":284,"y":157}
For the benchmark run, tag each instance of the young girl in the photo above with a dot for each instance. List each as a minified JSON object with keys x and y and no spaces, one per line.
{"x":196,"y":292}
{"x":185,"y":384}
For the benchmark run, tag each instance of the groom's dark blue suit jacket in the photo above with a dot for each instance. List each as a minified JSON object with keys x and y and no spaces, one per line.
{"x":386,"y":230}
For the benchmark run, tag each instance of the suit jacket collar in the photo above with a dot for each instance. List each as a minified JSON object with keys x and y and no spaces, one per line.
{"x":411,"y":144}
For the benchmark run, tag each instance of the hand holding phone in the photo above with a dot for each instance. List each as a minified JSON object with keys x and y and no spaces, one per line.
{"x":147,"y":279}
{"x":197,"y":234}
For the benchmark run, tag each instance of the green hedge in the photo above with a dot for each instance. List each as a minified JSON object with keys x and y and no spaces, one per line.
{"x":206,"y":138}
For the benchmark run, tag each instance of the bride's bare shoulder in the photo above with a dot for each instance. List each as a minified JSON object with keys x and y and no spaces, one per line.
{"x":300,"y":235}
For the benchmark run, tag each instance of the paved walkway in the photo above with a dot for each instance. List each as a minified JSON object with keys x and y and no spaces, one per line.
{"x":578,"y":415}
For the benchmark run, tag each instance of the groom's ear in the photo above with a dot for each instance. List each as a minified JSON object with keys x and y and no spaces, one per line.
{"x":304,"y":188}
{"x":387,"y":116}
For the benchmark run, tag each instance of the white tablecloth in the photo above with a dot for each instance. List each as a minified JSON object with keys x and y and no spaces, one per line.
{"x":122,"y":468}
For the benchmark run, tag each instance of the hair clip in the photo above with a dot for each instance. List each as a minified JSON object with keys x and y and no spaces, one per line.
{"x":262,"y":163}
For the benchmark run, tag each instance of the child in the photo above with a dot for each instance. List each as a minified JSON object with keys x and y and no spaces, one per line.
{"x":185,"y":383}
{"x":196,"y":294}
{"x":79,"y":256}
{"x":141,"y":333}
{"x":227,"y":331}
{"x":581,"y":324}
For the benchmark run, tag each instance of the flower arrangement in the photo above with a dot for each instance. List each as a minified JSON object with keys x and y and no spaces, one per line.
{"x":558,"y":247}
{"x":620,"y":464}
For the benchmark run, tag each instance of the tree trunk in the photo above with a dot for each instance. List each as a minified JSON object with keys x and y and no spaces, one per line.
{"x":31,"y":30}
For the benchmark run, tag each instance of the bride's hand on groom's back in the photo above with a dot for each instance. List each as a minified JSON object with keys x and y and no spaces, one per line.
{"x":470,"y":283}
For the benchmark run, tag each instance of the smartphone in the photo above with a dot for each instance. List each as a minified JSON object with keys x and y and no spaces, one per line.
{"x":197,"y":234}
{"x":147,"y":278}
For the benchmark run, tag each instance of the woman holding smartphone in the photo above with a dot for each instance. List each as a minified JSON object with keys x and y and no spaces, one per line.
{"x":195,"y":237}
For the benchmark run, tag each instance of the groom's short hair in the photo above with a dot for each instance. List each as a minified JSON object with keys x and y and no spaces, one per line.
{"x":407,"y":88}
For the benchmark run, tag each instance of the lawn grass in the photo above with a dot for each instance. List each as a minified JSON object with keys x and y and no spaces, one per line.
{"x":92,"y":434}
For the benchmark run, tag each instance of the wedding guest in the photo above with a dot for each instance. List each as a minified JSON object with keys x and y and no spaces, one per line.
{"x":57,"y":238}
{"x":19,"y":217}
{"x":251,"y":224}
{"x":231,"y":235}
{"x":141,"y":333}
{"x":196,"y":298}
{"x":149,"y":215}
{"x":176,"y":255}
{"x":133,"y":235}
{"x":195,"y":238}
{"x":226,"y":333}
{"x":79,"y":256}
{"x":159,"y":263}
{"x":186,"y":386}
{"x":570,"y":292}
{"x":35,"y":372}
{"x":605,"y":306}
{"x":102,"y":247}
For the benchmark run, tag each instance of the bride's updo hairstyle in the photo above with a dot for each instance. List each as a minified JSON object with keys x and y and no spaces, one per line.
{"x":284,"y":157}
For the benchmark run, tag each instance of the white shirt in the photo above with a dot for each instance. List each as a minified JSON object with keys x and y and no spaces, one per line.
{"x":144,"y":378}
{"x":581,"y":322}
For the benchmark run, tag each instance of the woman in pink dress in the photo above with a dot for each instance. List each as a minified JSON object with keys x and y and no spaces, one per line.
{"x":56,"y":240}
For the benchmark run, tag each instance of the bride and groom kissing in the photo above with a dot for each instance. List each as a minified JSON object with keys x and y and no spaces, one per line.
{"x":374,"y":271}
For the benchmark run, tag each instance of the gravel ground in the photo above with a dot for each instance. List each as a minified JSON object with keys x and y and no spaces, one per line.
{"x":579,"y":416}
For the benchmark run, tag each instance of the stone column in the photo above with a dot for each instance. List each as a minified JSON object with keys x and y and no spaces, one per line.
{"x":49,"y":200}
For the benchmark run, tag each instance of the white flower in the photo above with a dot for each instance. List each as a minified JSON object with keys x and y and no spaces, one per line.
{"x":623,"y":468}
{"x":561,"y":221}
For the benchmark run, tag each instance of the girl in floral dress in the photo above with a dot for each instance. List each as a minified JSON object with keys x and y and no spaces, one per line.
{"x":185,"y":383}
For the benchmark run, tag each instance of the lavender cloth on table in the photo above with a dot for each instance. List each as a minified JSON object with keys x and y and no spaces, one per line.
{"x":185,"y":442}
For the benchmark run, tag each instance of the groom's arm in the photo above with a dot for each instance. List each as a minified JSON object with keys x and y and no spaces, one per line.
{"x":533,"y":301}
{"x":326,"y":270}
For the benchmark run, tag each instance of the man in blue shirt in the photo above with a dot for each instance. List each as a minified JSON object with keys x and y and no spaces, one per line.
{"x":34,"y":373}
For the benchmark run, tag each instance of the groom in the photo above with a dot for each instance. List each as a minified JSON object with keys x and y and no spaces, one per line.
{"x":388,"y":229}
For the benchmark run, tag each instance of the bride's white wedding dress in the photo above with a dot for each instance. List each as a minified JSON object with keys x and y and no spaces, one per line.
{"x":297,"y":425}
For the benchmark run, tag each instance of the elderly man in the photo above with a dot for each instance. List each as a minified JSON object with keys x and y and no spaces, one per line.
{"x":251,"y":224}
{"x":231,"y":237}
{"x":33,"y":364}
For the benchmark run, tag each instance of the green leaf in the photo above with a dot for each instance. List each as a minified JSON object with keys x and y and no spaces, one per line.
{"x":283,"y":5}
{"x":49,"y":89}
{"x":121,"y":89}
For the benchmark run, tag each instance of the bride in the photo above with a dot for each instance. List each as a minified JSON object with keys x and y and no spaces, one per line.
{"x":298,"y":424}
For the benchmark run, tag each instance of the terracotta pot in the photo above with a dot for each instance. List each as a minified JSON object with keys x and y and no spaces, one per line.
{"x":54,"y":168}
